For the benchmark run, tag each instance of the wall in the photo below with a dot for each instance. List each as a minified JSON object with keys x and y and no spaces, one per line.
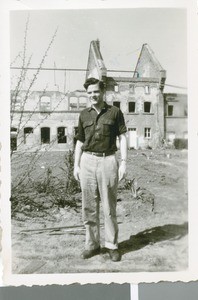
{"x":56,"y":114}
{"x":59,"y":114}
{"x":176,"y":124}
{"x":139,"y":119}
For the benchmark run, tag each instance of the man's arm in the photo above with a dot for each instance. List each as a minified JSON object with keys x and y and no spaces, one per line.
{"x":123,"y":153}
{"x":78,"y":153}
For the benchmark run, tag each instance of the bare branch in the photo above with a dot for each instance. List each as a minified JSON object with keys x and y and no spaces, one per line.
{"x":16,"y":58}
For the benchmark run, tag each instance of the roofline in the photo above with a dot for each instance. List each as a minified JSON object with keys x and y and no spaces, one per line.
{"x":95,"y":50}
{"x":151,"y":52}
{"x":138,"y":60}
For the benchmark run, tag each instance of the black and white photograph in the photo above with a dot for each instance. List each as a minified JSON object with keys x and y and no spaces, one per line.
{"x":98,"y":144}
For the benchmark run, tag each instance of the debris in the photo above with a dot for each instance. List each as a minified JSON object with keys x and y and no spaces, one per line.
{"x":56,"y":229}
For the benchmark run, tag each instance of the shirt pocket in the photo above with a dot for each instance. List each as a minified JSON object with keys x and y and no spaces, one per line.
{"x":108,"y":127}
{"x":87,"y":126}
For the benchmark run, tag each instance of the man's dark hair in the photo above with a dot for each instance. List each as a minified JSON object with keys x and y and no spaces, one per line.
{"x":92,"y":80}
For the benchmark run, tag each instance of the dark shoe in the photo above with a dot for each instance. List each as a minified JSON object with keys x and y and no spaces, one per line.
{"x":89,"y":253}
{"x":114,"y":255}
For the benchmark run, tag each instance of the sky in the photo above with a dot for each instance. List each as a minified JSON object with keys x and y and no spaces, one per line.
{"x":121,"y":32}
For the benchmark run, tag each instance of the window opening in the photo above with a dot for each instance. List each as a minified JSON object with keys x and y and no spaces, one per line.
{"x":45,"y":135}
{"x":147,"y":107}
{"x":131,"y":129}
{"x":82,"y":102}
{"x":16,"y":103}
{"x":13,"y":139}
{"x":170,"y":110}
{"x":45,"y":103}
{"x":27,"y":131}
{"x":147,"y":89}
{"x":62,"y":135}
{"x":13,"y":143}
{"x":116,"y":88}
{"x":73,"y":102}
{"x":132,"y":88}
{"x":131,"y":106}
{"x":116,"y":103}
{"x":147,"y":132}
{"x":13,"y":130}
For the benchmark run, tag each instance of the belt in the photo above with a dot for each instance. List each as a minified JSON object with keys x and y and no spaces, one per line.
{"x":100,"y":154}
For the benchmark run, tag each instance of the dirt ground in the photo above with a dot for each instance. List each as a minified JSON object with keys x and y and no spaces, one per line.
{"x":51,"y":241}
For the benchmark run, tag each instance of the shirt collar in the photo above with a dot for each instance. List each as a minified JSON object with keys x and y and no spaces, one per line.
{"x":105,"y":106}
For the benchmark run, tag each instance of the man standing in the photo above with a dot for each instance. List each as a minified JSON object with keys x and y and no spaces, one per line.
{"x":97,"y":168}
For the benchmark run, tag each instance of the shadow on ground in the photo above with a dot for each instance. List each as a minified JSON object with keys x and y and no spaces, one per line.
{"x":152,"y":236}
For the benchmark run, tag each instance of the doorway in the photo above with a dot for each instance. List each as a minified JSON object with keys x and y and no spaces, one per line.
{"x":132,"y":138}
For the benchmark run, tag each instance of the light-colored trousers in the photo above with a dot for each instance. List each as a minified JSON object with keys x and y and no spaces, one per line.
{"x":99,"y":180}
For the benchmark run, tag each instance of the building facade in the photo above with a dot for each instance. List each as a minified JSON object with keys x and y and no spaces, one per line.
{"x":48,"y":120}
{"x":176,"y":116}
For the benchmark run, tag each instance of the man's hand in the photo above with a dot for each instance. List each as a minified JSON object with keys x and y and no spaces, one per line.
{"x":77,"y":173}
{"x":122,"y":170}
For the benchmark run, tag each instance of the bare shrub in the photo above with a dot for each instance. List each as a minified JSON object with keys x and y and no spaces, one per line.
{"x":72,"y":185}
{"x":67,"y":187}
{"x":45,"y":185}
{"x":43,"y":191}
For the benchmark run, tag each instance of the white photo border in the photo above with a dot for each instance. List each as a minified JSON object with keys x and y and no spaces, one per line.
{"x":47,"y":279}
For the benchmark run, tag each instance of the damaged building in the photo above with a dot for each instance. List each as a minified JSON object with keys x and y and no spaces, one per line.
{"x":48,"y":120}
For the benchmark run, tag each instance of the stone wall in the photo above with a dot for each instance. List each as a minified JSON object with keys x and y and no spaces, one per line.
{"x":139,"y":91}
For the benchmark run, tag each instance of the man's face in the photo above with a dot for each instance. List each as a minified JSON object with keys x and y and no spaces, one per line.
{"x":95,"y":94}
